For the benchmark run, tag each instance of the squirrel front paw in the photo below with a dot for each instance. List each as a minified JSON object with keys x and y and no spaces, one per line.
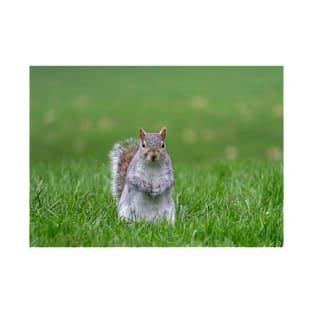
{"x":156,"y":192}
{"x":147,"y":188}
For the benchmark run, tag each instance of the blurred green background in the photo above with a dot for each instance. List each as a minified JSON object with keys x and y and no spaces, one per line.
{"x":212,"y":113}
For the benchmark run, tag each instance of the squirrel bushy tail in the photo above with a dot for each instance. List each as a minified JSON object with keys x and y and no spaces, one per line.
{"x":120,"y":157}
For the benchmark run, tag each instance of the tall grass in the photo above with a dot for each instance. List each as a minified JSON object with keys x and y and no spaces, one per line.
{"x":235,"y":204}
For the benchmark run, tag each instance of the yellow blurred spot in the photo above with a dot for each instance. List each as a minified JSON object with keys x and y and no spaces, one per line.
{"x":49,"y":117}
{"x":199,"y":102}
{"x":278,"y":110}
{"x":85,"y":124}
{"x":209,"y":135}
{"x":78,"y":145}
{"x":245,"y":113}
{"x":81,"y":101}
{"x":273,"y":153}
{"x":189,"y":136}
{"x":231,"y":152}
{"x":105,"y":123}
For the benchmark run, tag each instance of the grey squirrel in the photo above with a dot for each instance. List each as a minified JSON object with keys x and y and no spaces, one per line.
{"x":143,"y":178}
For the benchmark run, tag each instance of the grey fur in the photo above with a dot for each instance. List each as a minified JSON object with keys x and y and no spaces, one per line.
{"x":147,"y":192}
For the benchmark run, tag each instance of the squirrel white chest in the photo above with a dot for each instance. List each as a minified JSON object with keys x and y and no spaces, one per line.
{"x":137,"y":204}
{"x":152,"y":173}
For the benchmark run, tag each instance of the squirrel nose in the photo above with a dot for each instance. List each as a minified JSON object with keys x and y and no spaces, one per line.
{"x":153,"y":157}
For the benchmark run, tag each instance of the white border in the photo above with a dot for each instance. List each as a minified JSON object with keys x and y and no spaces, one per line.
{"x":158,"y":33}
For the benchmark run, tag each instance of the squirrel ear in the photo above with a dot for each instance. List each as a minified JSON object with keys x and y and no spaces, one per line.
{"x":142,"y":133}
{"x":163,"y":132}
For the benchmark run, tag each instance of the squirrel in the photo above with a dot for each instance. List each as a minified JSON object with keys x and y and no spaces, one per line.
{"x":143,"y":178}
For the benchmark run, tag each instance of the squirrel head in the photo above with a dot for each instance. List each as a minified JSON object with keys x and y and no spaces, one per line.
{"x":152,"y":145}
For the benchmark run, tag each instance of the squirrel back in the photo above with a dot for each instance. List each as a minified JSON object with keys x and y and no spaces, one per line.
{"x":120,"y":157}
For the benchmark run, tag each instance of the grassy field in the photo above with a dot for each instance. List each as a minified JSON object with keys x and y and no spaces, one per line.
{"x":237,"y":204}
{"x":225,"y":136}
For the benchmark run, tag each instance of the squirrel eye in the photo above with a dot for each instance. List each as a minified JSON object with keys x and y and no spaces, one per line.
{"x":143,"y":145}
{"x":162,"y":145}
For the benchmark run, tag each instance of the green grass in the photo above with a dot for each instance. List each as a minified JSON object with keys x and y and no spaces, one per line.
{"x":220,"y":205}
